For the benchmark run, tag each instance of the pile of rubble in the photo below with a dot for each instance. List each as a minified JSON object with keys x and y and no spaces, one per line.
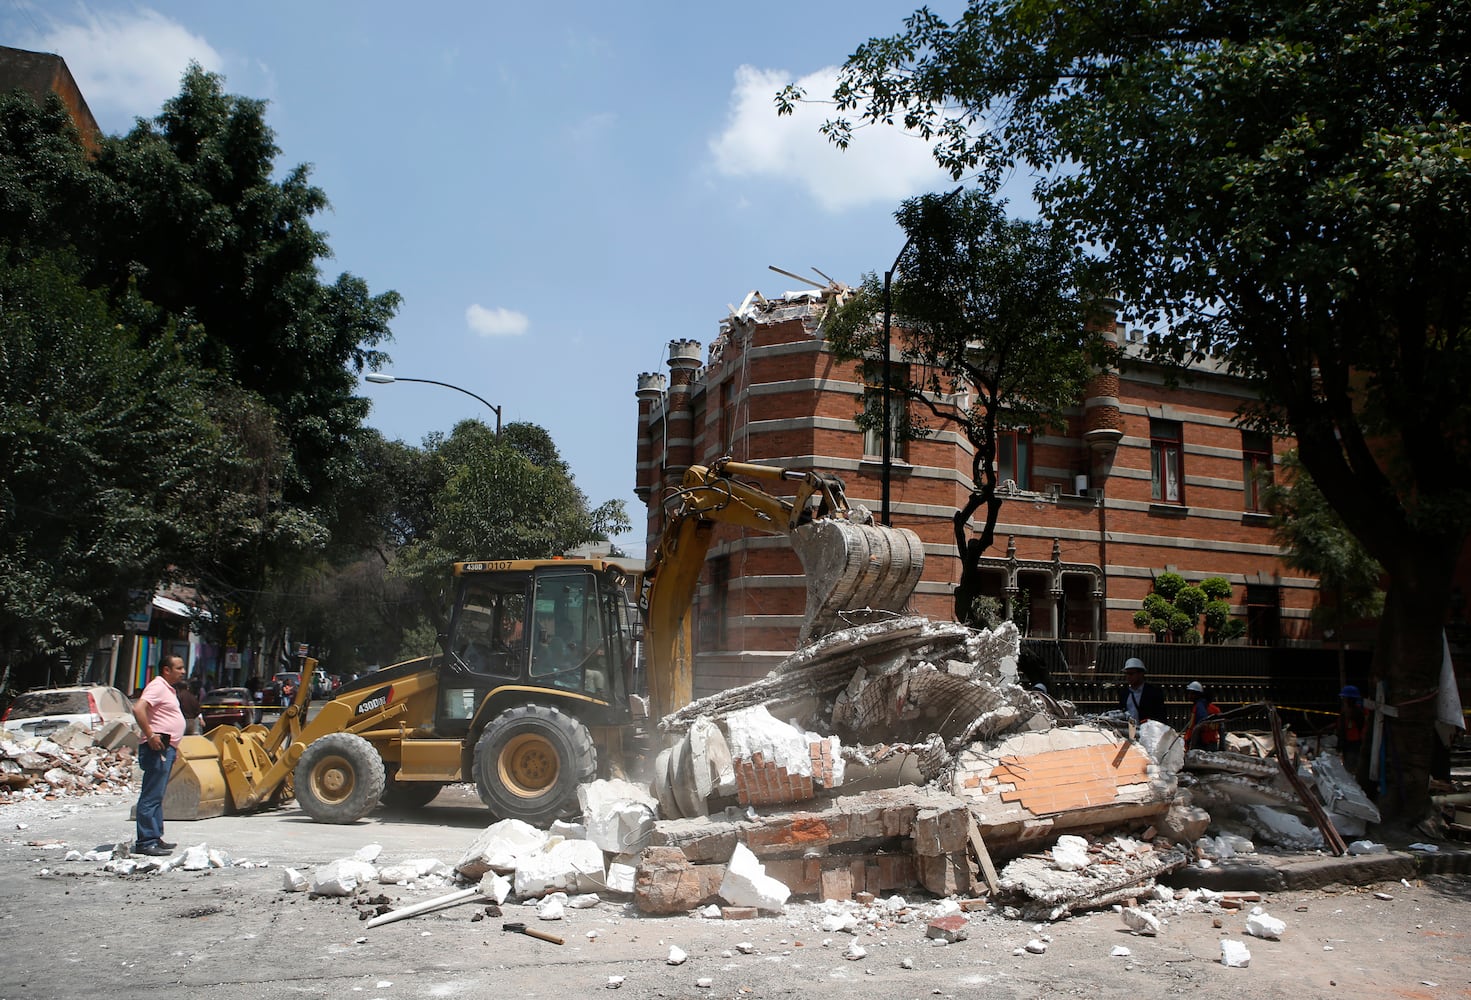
{"x":905,"y":753}
{"x":72,"y":761}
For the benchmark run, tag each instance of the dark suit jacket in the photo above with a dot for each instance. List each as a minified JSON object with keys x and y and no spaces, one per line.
{"x":1151,"y":701}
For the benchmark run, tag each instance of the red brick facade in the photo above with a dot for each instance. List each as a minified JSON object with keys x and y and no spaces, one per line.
{"x":1078,"y":562}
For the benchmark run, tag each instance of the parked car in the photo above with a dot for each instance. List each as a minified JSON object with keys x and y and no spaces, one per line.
{"x":46,"y":710}
{"x":227,"y":707}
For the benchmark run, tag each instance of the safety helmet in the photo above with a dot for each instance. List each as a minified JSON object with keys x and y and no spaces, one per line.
{"x":1133,"y":663}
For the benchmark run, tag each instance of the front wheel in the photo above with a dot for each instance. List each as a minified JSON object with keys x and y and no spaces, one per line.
{"x":339,"y":778}
{"x":529,"y":762}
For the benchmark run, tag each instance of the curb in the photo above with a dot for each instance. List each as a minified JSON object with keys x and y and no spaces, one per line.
{"x":1275,"y":873}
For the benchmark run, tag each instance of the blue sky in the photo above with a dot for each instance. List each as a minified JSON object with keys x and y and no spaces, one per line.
{"x":556,"y":190}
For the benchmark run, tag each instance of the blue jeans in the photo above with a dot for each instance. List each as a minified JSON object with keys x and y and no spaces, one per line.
{"x":156,"y":766}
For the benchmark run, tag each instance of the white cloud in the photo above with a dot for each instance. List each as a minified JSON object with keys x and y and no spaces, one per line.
{"x":127,"y":63}
{"x":496,"y":322}
{"x":882,"y":164}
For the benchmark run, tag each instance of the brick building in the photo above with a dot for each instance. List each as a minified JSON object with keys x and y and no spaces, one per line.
{"x":40,"y":74}
{"x":1149,"y":476}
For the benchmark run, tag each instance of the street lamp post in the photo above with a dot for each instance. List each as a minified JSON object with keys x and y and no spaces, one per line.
{"x":383,"y":378}
{"x":886,"y":457}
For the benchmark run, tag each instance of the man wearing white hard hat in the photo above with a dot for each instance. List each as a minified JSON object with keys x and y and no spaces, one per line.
{"x":1202,"y":732}
{"x":1140,"y":700}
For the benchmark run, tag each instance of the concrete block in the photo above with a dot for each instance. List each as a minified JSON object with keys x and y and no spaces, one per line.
{"x":747,"y":884}
{"x":1234,"y":954}
{"x":1183,"y":824}
{"x":499,"y":847}
{"x":618,"y":815}
{"x":1261,"y":924}
{"x":568,"y":865}
{"x":666,"y":882}
{"x":948,"y":929}
{"x":342,"y":877}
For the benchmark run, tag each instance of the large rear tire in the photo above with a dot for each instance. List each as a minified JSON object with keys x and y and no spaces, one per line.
{"x":339,"y":778}
{"x":529,"y":762}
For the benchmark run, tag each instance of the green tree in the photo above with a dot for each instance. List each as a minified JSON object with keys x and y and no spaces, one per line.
{"x":500,"y":496}
{"x":1173,"y":612}
{"x":1316,"y":542}
{"x":182,"y":224}
{"x":988,"y":308}
{"x":1282,"y":184}
{"x":104,"y":442}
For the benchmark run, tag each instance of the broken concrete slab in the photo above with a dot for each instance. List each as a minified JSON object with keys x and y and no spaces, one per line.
{"x":618,"y":815}
{"x":500,"y":847}
{"x":567,"y":865}
{"x":667,"y":882}
{"x":1035,"y":785}
{"x":867,"y":817}
{"x":826,"y":666}
{"x":747,"y":884}
{"x":1120,"y":869}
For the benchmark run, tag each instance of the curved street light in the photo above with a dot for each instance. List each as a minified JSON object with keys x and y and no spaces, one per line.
{"x":383,"y":378}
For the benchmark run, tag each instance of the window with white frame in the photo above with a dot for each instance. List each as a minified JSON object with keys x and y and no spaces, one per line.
{"x":1166,"y":468}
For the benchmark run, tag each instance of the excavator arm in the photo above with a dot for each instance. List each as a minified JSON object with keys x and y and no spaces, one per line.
{"x":849,"y":563}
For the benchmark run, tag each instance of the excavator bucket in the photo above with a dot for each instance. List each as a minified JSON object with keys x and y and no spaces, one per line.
{"x":196,"y":788}
{"x":853,"y":569}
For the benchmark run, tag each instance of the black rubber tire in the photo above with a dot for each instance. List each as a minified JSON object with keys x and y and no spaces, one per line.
{"x":529,"y":762}
{"x":408,"y":795}
{"x":339,"y":778}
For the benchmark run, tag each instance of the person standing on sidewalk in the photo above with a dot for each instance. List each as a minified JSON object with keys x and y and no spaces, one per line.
{"x":158,"y":715}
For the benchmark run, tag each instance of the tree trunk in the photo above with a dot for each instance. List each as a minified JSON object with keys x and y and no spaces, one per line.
{"x":971,"y":549}
{"x":1407,"y":658}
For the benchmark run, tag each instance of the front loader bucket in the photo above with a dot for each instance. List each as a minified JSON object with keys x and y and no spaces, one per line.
{"x":196,"y":787}
{"x":852,"y":569}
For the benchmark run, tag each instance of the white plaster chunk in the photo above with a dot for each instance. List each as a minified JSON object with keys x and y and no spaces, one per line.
{"x":567,"y":831}
{"x":1140,"y":921}
{"x":1070,"y":853}
{"x":1283,"y":828}
{"x":856,"y":952}
{"x":1164,"y":745}
{"x":570,"y":865}
{"x":1340,"y":792}
{"x":293,"y":880}
{"x":1262,"y":925}
{"x":747,"y":884}
{"x":368,"y":853}
{"x":1366,"y":847}
{"x":677,"y":955}
{"x":495,"y":887}
{"x":500,"y":847}
{"x":341,"y":877}
{"x":1036,"y":946}
{"x":753,"y":730}
{"x":551,"y":908}
{"x":196,"y":858}
{"x":1119,"y":951}
{"x":617,"y":815}
{"x":621,"y":877}
{"x":1234,"y":954}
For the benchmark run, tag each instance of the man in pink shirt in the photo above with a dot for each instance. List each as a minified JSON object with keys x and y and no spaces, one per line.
{"x":158,"y":714}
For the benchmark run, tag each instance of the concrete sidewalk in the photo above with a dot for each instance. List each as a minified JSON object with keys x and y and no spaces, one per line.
{"x":1265,"y":872}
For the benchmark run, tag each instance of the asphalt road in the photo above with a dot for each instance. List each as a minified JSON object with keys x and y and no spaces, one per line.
{"x":72,"y":930}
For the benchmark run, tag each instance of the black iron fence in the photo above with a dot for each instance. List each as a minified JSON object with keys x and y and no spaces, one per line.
{"x":1302,"y":683}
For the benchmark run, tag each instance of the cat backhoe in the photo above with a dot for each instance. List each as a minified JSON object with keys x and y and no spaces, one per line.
{"x":540,"y":683}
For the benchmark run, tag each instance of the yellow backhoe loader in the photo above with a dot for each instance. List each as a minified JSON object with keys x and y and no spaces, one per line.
{"x":531,"y":694}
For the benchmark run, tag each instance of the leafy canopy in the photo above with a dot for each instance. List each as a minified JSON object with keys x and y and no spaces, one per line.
{"x":986,"y":309}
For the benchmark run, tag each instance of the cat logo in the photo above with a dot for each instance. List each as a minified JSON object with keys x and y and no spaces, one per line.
{"x":375,"y":701}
